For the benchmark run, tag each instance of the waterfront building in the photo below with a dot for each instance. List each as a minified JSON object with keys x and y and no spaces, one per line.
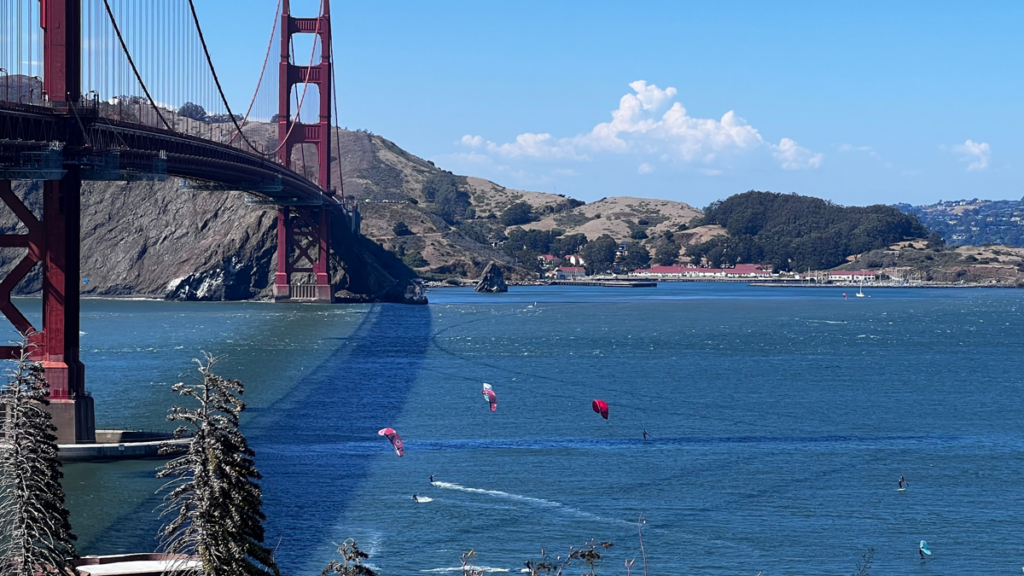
{"x":680,"y":272}
{"x":852,"y":275}
{"x":570,"y":273}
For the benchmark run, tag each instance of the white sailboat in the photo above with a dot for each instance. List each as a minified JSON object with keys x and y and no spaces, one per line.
{"x":860,"y":292}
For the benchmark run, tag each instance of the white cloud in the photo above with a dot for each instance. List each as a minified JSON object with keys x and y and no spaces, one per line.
{"x":645,"y":168}
{"x":536,"y":146}
{"x":640,"y":127}
{"x":795,"y":157}
{"x":977,"y":154}
{"x":866,"y":149}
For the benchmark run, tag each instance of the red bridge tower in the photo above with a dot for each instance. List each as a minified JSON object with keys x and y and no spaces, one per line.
{"x":304,"y":232}
{"x":54,"y":240}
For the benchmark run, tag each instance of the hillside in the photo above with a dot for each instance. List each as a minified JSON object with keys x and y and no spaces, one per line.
{"x":793,"y":232}
{"x":977,"y":222}
{"x":915,"y":261}
{"x":457,"y":224}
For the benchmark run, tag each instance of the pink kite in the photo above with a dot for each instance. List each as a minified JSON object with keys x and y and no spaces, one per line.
{"x":395,"y":439}
{"x":491,"y":398}
{"x":601,"y":407}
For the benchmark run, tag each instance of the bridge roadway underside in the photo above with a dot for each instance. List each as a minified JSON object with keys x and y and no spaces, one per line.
{"x":144,"y":150}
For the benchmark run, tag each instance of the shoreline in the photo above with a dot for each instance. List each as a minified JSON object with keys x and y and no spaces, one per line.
{"x":748,"y":281}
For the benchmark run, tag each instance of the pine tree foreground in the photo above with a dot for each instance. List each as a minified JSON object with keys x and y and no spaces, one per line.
{"x":213,"y":499}
{"x":35,"y":531}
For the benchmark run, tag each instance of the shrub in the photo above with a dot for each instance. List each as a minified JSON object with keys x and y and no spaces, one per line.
{"x":516,"y":214}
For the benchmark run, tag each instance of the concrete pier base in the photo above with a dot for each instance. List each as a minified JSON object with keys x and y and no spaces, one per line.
{"x":75,"y":420}
{"x":115,"y":445}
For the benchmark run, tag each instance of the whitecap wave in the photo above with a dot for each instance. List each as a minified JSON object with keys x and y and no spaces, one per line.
{"x":424,"y":499}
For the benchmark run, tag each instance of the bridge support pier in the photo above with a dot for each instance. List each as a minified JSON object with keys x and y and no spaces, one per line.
{"x":303,"y":247}
{"x":54,"y":241}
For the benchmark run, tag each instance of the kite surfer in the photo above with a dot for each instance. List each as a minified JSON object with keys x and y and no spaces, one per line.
{"x":903,"y":482}
{"x":646,"y":435}
{"x":431,"y":478}
{"x":415,"y":499}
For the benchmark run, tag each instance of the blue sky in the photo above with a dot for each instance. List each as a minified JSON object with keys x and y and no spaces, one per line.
{"x":860,"y":103}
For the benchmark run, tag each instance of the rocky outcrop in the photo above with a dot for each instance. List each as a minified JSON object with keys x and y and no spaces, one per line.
{"x":492,"y":280}
{"x":160,"y":240}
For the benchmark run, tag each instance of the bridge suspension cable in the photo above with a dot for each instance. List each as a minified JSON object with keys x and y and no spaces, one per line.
{"x":263,"y":70}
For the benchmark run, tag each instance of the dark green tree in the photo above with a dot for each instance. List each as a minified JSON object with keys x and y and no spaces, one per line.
{"x":448,"y":200}
{"x":637,"y":256}
{"x":516,"y":214}
{"x":213,"y":500}
{"x":35,"y":531}
{"x":415,"y":259}
{"x":567,"y":245}
{"x":193,"y":111}
{"x":638,"y":234}
{"x":935,"y":241}
{"x":668,"y":254}
{"x":599,"y":254}
{"x":401,"y":229}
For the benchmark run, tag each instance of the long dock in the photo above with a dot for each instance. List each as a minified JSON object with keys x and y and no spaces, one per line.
{"x":607,"y":283}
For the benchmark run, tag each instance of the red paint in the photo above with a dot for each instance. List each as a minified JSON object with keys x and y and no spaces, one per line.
{"x":62,"y":49}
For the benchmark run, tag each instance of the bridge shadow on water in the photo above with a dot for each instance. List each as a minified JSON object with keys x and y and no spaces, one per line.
{"x":360,"y":389}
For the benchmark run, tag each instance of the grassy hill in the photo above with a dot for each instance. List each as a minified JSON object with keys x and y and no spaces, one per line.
{"x":991,"y":265}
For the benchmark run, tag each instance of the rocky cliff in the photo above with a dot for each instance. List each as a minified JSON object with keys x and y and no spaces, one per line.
{"x":158,"y":239}
{"x":492,"y":280}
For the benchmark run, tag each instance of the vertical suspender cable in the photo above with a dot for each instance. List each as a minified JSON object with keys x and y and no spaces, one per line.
{"x":130,"y":61}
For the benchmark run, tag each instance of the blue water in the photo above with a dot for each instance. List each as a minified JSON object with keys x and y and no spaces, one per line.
{"x":782,"y":419}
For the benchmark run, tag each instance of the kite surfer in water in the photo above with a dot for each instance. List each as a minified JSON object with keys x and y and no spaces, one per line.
{"x":646,"y":434}
{"x":414,"y":498}
{"x":903,"y":482}
{"x":431,"y":478}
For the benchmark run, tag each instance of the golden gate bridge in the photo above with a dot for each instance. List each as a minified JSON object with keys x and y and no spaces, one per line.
{"x":126,"y":90}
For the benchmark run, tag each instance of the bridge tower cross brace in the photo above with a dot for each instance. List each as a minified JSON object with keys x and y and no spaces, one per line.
{"x":55,"y":241}
{"x":302,"y":228}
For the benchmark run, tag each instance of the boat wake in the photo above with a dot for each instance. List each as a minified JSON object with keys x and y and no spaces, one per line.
{"x":525,"y":499}
{"x":483,"y":569}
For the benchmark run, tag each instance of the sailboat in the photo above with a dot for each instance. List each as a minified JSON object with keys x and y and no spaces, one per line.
{"x":860,"y":292}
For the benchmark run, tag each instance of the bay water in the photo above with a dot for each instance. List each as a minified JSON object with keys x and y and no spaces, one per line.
{"x":781,"y":420}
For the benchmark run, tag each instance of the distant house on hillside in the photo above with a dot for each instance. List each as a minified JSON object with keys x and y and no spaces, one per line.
{"x":570,"y":273}
{"x":852,"y":275}
{"x":547,"y":260}
{"x":574,"y":259}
